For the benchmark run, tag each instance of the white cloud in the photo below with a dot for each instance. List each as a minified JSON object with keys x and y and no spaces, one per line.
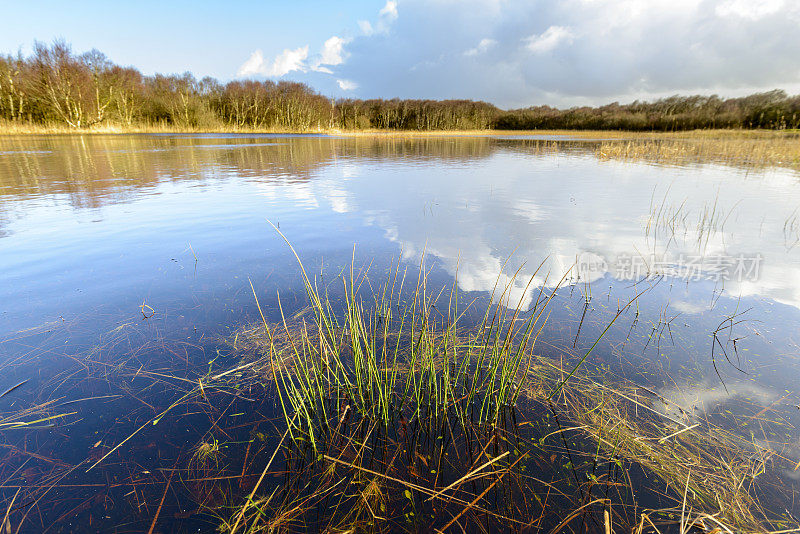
{"x":749,"y":9}
{"x":386,"y":16}
{"x":389,"y":11}
{"x":549,"y":40}
{"x":482,"y":47}
{"x":287,"y":61}
{"x":347,"y":85}
{"x":562,"y":52}
{"x":253,"y":65}
{"x":291,"y":60}
{"x":332,"y":54}
{"x":575,"y":52}
{"x":366,"y":27}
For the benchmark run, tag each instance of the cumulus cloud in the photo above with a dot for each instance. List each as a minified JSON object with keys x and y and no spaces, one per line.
{"x":386,"y":16}
{"x":332,"y":54}
{"x":482,"y":47}
{"x":287,"y":61}
{"x":333,"y":51}
{"x":549,"y":40}
{"x":253,"y":65}
{"x":574,"y":51}
{"x":564,"y":52}
{"x":297,"y":60}
{"x":347,"y":85}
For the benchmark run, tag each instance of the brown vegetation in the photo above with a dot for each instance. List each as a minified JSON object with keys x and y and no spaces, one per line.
{"x":774,"y":150}
{"x":56,"y":88}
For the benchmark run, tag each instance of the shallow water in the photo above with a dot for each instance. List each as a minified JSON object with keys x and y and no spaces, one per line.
{"x":140,"y":249}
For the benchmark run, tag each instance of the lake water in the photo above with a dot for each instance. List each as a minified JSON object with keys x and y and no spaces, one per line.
{"x":138,"y":251}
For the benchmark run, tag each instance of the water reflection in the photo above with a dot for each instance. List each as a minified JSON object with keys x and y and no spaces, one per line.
{"x":93,"y":227}
{"x":99,"y":169}
{"x":475,"y":203}
{"x":642,"y":217}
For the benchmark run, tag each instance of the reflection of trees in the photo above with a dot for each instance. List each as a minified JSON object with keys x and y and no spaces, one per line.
{"x":94,"y":170}
{"x":3,"y":224}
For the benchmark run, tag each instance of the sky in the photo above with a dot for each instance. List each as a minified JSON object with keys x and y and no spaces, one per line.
{"x":513,"y":53}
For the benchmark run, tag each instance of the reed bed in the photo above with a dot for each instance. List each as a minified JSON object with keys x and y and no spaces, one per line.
{"x":740,"y":150}
{"x":391,"y":405}
{"x":401,"y":407}
{"x":718,"y":472}
{"x":385,"y":358}
{"x":579,"y":447}
{"x":27,"y":128}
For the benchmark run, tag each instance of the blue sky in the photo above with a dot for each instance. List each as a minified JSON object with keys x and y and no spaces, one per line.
{"x":510,"y":52}
{"x":207,"y":38}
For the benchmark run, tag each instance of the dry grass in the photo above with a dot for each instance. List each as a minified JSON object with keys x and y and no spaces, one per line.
{"x":719,"y":473}
{"x":14,"y":128}
{"x":753,"y":148}
{"x":709,"y":475}
{"x":712,"y":476}
{"x":756,"y":149}
{"x":748,"y":148}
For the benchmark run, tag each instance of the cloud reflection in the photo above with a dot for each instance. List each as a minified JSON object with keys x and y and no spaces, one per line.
{"x":526,"y":209}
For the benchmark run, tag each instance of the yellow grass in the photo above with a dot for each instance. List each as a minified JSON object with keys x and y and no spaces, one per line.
{"x":14,"y":128}
{"x":762,"y":148}
{"x":758,"y":149}
{"x":18,"y":128}
{"x":716,"y":470}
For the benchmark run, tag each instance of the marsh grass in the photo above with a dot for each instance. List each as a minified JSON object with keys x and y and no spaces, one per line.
{"x":394,"y":356}
{"x":381,"y":434}
{"x":399,"y":416}
{"x":778,"y":150}
{"x":204,"y":464}
{"x":583,"y":445}
{"x":718,"y":472}
{"x":27,"y":128}
{"x":368,"y":479}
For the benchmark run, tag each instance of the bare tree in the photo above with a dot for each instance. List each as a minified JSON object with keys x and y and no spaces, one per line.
{"x":13,"y":98}
{"x":71,"y":87}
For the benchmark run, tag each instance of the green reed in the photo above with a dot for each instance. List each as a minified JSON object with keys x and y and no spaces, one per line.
{"x":382,"y":356}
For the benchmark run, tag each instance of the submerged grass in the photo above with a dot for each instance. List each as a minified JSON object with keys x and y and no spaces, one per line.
{"x":587,"y":440}
{"x":405,"y":408}
{"x":388,"y":358}
{"x":719,"y":473}
{"x":398,"y":417}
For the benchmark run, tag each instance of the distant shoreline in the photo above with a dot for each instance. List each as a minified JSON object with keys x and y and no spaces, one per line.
{"x":742,"y":148}
{"x":10,"y":129}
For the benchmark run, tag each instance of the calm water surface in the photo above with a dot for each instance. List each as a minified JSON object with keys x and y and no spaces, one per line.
{"x":141,"y":248}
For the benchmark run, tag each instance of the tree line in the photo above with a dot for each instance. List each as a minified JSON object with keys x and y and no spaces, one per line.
{"x":772,"y":110}
{"x":55,"y":86}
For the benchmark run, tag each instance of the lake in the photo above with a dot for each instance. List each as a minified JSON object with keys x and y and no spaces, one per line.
{"x":129,"y":262}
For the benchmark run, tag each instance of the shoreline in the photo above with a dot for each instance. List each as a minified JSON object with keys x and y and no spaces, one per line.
{"x":35,"y":130}
{"x":745,"y":148}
